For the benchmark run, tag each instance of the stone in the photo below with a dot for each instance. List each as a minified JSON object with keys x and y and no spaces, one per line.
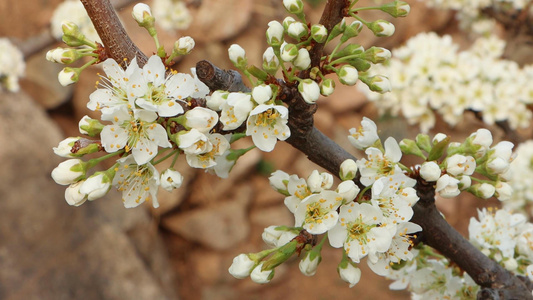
{"x":218,"y":226}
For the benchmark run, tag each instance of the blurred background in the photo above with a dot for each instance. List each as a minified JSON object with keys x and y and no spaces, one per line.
{"x":182,"y":250}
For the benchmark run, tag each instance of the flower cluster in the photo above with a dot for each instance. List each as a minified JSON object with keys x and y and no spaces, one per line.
{"x":73,"y":11}
{"x":452,"y":173}
{"x":373,"y":225}
{"x":172,"y":14}
{"x":504,"y":237}
{"x":11,"y":66}
{"x":430,"y":75}
{"x":521,"y":171}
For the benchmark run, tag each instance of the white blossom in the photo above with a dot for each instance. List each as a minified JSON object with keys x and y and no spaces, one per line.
{"x":138,"y":183}
{"x":267,"y":124}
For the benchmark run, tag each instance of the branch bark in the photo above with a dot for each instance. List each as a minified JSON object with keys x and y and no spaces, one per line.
{"x":496,"y":282}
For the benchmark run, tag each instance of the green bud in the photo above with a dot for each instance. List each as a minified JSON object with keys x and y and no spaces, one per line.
{"x":378,"y":83}
{"x":377,"y":55}
{"x":337,"y":29}
{"x":423,"y":142}
{"x":396,"y":9}
{"x":410,"y":147}
{"x":281,"y":255}
{"x":319,"y":33}
{"x":352,"y":30}
{"x":327,"y":87}
{"x":72,"y":35}
{"x":438,"y":148}
{"x":350,"y":50}
{"x":294,"y":6}
{"x":381,"y":28}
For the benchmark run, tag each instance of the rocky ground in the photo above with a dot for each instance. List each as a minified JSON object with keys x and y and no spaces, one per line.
{"x":182,"y":250}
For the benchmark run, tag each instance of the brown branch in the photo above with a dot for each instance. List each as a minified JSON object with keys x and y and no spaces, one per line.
{"x":117,"y":43}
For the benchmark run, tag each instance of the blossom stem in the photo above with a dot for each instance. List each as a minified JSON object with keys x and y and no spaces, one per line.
{"x":93,"y":162}
{"x":165,"y":157}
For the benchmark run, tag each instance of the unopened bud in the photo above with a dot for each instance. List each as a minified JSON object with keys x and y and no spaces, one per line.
{"x":377,"y":55}
{"x":297,"y":30}
{"x":327,"y":87}
{"x":68,"y":76}
{"x":184,"y":45}
{"x":378,"y":83}
{"x":294,"y":6}
{"x":143,"y":15}
{"x":396,"y":8}
{"x":237,"y":55}
{"x":348,"y":75}
{"x":274,"y":33}
{"x":382,"y":28}
{"x":319,"y":33}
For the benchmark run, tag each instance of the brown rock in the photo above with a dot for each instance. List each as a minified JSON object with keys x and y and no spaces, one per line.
{"x":219,"y":226}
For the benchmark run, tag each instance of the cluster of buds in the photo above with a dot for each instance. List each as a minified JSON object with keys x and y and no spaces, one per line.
{"x":452,"y":165}
{"x":292,"y":39}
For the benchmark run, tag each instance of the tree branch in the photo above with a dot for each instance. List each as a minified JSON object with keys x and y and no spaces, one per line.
{"x":117,"y":43}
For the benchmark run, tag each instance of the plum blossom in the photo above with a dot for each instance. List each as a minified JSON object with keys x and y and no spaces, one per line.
{"x":266,"y":124}
{"x":138,"y":183}
{"x":136,"y":131}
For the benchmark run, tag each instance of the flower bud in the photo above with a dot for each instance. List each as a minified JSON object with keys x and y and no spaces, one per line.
{"x":97,"y":185}
{"x":73,"y":196}
{"x":277,"y":236}
{"x":503,"y":191}
{"x":482,"y":190}
{"x":65,"y":146}
{"x":302,"y":61}
{"x":319,"y":33}
{"x":184,"y":45}
{"x":63,"y":55}
{"x":337,"y":29}
{"x":241,"y":267}
{"x":447,"y":186}
{"x":309,"y":90}
{"x":69,"y":171}
{"x":262,"y":93}
{"x":294,"y":6}
{"x":237,"y":55}
{"x":289,"y":52}
{"x":72,"y":35}
{"x":287,"y":22}
{"x":377,"y":55}
{"x":297,"y":30}
{"x":422,"y":141}
{"x":348,"y":170}
{"x":348,"y":75}
{"x":278,"y":181}
{"x":410,"y":147}
{"x":349,"y":273}
{"x":171,"y":179}
{"x":216,"y":100}
{"x":309,"y":263}
{"x":348,"y":191}
{"x":327,"y":87}
{"x":430,"y":171}
{"x":381,"y":28}
{"x":352,"y":30}
{"x":260,"y":276}
{"x":143,"y":15}
{"x":200,"y":118}
{"x":396,"y":8}
{"x":274,"y":34}
{"x":458,"y":164}
{"x":378,"y":83}
{"x":270,"y":61}
{"x":90,"y":127}
{"x":464,"y":182}
{"x":68,"y":76}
